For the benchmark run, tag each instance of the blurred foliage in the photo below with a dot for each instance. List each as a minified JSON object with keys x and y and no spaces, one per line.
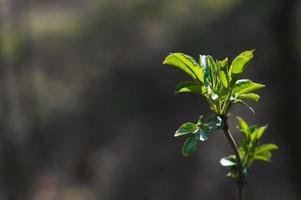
{"x":83,"y":94}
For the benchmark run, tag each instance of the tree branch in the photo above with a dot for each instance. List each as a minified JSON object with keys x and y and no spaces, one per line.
{"x":231,"y":141}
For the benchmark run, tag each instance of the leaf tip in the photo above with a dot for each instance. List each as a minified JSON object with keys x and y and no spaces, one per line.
{"x":165,"y":60}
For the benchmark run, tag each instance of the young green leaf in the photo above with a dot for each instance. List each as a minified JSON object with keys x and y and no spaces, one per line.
{"x":224,"y":79}
{"x":265,"y":147}
{"x":223,"y":64}
{"x":186,"y":128}
{"x":243,"y":126}
{"x":189,"y":86}
{"x":190,"y":146}
{"x":260,"y":131}
{"x":238,"y":64}
{"x":250,"y":96}
{"x":243,"y":86}
{"x":187,"y":64}
{"x":264,"y":156}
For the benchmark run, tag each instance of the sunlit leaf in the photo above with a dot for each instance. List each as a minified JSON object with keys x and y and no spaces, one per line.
{"x":260,"y":131}
{"x":243,"y":126}
{"x":228,"y":161}
{"x":223,"y":77}
{"x":203,"y":63}
{"x":265,"y":147}
{"x":189,"y":86}
{"x":264,"y":156}
{"x":243,"y":86}
{"x":223,"y":64}
{"x":250,"y":96}
{"x":238,"y":64}
{"x":186,"y":128}
{"x":187,"y":64}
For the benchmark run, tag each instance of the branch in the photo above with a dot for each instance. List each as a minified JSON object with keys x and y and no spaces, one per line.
{"x":231,"y":141}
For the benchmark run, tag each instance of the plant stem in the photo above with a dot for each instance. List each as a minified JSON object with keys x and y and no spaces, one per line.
{"x":231,"y":141}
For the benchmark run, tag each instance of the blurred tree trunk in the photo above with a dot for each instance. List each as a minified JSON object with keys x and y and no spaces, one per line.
{"x":10,"y":40}
{"x":13,"y":131}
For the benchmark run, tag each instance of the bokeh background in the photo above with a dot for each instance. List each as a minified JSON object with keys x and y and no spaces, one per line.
{"x":87,"y":110}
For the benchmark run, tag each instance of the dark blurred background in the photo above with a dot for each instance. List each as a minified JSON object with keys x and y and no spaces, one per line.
{"x":87,"y":110}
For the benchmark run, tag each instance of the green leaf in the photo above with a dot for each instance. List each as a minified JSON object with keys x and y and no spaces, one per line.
{"x":243,"y":86}
{"x":265,"y":147}
{"x":228,"y":161}
{"x":187,"y":64}
{"x":223,"y":77}
{"x":202,"y":134}
{"x":186,"y":128}
{"x":264,"y":156}
{"x":260,"y":131}
{"x":223,"y":64}
{"x":238,"y":64}
{"x":201,"y":120}
{"x":190,"y":146}
{"x":243,"y":125}
{"x":214,"y":123}
{"x":209,"y":68}
{"x":189,"y":86}
{"x":250,"y":96}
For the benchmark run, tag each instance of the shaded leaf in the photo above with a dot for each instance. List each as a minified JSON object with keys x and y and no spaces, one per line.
{"x":201,"y":120}
{"x":202,"y":134}
{"x":214,"y":123}
{"x":190,"y":146}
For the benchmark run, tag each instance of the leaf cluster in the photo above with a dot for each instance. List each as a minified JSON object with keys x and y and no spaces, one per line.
{"x":216,"y":80}
{"x":250,"y":149}
{"x":197,"y":132}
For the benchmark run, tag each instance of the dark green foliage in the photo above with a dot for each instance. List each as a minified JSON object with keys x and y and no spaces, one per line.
{"x":198,"y":132}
